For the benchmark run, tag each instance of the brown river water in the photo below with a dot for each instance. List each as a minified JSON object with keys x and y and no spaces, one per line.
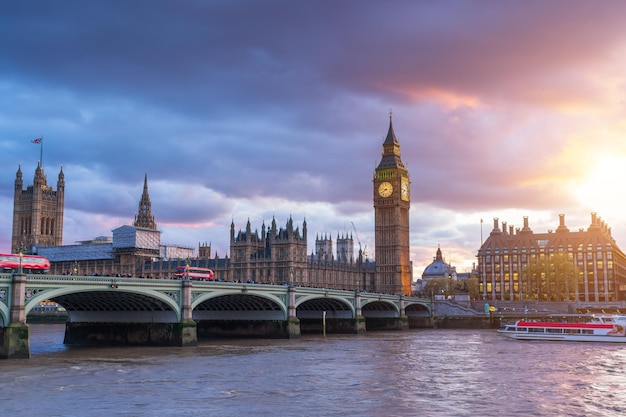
{"x":411,"y":373}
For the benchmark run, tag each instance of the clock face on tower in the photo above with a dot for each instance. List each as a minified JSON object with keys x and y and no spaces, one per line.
{"x":404,"y":189}
{"x":385,"y":189}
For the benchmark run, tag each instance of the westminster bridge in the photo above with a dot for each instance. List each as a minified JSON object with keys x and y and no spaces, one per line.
{"x":143,"y":311}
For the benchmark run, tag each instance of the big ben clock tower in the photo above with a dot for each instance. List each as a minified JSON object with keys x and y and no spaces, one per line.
{"x":392,"y":192}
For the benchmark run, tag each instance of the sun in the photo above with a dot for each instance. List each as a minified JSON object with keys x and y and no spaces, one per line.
{"x":602,"y":190}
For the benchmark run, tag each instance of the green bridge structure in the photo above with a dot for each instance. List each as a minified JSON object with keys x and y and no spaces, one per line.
{"x":160,"y":312}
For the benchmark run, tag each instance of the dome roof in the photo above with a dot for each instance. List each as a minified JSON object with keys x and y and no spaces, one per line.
{"x":437,"y":268}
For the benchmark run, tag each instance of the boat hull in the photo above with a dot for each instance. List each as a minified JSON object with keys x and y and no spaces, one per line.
{"x":562,"y":337}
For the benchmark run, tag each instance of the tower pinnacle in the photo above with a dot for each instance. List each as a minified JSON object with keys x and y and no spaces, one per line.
{"x":144,"y":217}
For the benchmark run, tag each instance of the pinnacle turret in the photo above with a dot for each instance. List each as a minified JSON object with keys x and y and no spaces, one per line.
{"x":144,"y":217}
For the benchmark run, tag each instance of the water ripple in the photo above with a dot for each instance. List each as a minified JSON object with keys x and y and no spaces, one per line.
{"x":425,"y":373}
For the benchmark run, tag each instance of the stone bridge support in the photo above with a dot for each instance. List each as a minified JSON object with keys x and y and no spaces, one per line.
{"x":188,"y":328}
{"x":293,"y":323}
{"x":403,"y":321}
{"x":359,"y":322}
{"x":16,"y":336}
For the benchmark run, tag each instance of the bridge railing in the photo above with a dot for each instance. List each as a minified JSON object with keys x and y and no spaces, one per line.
{"x":160,"y":282}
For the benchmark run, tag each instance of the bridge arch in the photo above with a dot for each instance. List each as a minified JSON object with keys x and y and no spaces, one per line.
{"x":97,"y":304}
{"x":238,"y":305}
{"x":422,"y":310}
{"x":313,"y":307}
{"x":380,"y":308}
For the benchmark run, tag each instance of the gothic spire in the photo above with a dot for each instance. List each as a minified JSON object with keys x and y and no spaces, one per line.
{"x":391,"y":135}
{"x":144,"y":217}
{"x":391,"y":150}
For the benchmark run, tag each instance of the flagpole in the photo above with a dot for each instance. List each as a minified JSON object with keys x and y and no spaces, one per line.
{"x":41,"y":151}
{"x":481,"y":233}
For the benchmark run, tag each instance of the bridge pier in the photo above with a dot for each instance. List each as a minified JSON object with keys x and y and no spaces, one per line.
{"x":387,"y":323}
{"x":293,"y":323}
{"x":16,"y":336}
{"x":188,"y":327}
{"x":360,"y":325}
{"x":130,"y":334}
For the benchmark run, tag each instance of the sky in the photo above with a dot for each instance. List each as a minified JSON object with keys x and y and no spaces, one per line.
{"x":260,"y":110}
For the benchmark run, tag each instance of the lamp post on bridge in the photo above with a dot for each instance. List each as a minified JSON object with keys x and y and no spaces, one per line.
{"x":20,"y":255}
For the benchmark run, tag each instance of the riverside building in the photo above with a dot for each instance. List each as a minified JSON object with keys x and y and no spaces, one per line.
{"x":561,"y":265}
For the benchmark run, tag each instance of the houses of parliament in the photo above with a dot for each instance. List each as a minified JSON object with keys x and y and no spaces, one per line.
{"x":580,"y":265}
{"x":274,"y":254}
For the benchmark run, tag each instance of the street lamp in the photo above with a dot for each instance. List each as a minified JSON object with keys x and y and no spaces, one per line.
{"x":21,"y":255}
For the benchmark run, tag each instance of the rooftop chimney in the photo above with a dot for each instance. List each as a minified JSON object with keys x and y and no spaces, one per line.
{"x":562,"y":227}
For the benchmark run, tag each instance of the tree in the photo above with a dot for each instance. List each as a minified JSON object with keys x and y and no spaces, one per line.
{"x":438,"y":286}
{"x":473,"y":287}
{"x":564,"y":280}
{"x":549,"y":277}
{"x":532,"y":278}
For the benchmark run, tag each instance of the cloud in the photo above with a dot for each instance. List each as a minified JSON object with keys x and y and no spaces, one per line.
{"x":240,"y":110}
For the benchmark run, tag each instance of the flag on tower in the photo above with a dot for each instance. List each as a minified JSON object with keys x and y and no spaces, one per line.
{"x":37,"y":140}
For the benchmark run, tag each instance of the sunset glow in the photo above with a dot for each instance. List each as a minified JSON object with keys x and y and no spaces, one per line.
{"x":256,"y":111}
{"x":603,"y":190}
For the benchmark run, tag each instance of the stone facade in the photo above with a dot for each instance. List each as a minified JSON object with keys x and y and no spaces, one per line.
{"x":37,"y":213}
{"x":392,"y":201}
{"x":591,"y":255}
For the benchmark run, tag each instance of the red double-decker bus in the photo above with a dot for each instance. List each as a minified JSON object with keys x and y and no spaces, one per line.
{"x":31,"y":264}
{"x":198,"y":274}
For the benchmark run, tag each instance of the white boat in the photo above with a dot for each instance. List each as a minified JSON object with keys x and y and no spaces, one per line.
{"x":594,"y":328}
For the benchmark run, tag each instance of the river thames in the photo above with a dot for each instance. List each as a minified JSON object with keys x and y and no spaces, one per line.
{"x":411,"y":373}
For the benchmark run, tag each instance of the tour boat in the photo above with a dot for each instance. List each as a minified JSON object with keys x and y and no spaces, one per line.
{"x":594,"y":328}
